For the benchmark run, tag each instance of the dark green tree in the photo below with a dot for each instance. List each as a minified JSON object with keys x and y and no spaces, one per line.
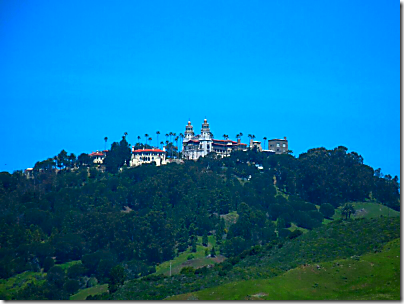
{"x":193,"y":243}
{"x":84,"y":160}
{"x":75,"y":271}
{"x":205,"y":239}
{"x":327,"y":210}
{"x":71,"y":286}
{"x":48,"y":264}
{"x":61,"y":159}
{"x":213,"y":252}
{"x":119,"y":155}
{"x":116,"y":278}
{"x":56,"y":276}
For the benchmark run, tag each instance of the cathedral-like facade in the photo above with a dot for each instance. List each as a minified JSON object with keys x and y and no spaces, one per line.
{"x":195,"y":146}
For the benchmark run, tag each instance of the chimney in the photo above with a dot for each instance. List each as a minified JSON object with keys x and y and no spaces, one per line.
{"x":238,"y":140}
{"x":284,"y":138}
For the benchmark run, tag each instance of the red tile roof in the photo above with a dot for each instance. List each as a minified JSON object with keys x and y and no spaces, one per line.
{"x":96,"y":154}
{"x":147,"y":150}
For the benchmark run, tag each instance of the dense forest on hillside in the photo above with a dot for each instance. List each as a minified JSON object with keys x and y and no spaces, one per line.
{"x":121,"y":222}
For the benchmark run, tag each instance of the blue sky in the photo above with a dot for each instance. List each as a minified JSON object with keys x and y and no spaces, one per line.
{"x":323,"y":74}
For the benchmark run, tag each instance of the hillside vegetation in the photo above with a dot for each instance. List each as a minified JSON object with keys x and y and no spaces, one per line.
{"x":373,"y":276}
{"x":330,"y":242}
{"x":80,"y":225}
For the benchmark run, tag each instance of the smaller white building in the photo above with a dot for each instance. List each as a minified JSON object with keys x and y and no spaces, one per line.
{"x":29,"y":172}
{"x":98,"y":156}
{"x":148,"y":156}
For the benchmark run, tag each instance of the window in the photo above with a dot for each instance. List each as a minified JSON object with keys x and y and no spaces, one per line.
{"x":284,"y":145}
{"x":277,"y":145}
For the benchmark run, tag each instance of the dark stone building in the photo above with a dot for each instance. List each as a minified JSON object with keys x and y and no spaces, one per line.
{"x":279,"y":146}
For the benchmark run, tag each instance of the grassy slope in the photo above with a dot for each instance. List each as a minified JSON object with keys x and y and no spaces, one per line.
{"x":368,"y":210}
{"x":84,"y":293}
{"x":199,"y":259}
{"x":67,"y":265}
{"x":327,"y":243}
{"x":375,"y":276}
{"x":10,"y":287}
{"x":364,"y":210}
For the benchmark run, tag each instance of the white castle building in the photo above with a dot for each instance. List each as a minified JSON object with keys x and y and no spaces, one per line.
{"x":204,"y":143}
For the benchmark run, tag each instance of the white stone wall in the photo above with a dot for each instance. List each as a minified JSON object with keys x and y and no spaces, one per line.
{"x":140,"y":158}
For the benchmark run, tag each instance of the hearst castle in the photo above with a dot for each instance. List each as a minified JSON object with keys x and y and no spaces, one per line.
{"x":195,"y":146}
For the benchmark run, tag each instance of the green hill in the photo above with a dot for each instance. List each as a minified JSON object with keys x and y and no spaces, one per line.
{"x":113,"y":224}
{"x":373,"y":276}
{"x":338,"y":240}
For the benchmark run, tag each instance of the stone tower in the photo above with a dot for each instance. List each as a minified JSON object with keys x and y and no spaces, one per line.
{"x":205,"y":131}
{"x":189,"y":131}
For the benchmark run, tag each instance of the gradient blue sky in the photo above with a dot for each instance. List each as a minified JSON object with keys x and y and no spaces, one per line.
{"x":322,"y":73}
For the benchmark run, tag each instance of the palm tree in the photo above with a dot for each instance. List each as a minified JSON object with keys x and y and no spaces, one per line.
{"x":138,"y":139}
{"x":171,"y":134}
{"x":146,"y":136}
{"x":106,"y":139}
{"x":238,"y":136}
{"x":167,"y":146}
{"x":161,"y":144}
{"x":347,"y":210}
{"x":150,"y":139}
{"x":176,"y":140}
{"x":182,"y":138}
{"x":265,"y":140}
{"x":167,"y":136}
{"x":126,"y":134}
{"x":241,"y":134}
{"x":224,"y":136}
{"x":158,"y":133}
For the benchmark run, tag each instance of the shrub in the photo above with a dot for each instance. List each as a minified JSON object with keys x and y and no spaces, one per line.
{"x":187,"y":270}
{"x":296,"y":233}
{"x":327,"y":210}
